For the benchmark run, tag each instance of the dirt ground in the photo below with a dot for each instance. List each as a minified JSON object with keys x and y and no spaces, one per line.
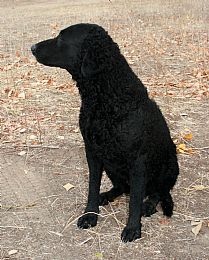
{"x":41,"y":149}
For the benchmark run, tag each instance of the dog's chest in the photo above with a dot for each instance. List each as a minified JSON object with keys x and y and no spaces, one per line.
{"x":99,"y":128}
{"x":109,"y":134}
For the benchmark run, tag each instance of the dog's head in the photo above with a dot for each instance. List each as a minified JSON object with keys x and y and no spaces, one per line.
{"x":82,"y":49}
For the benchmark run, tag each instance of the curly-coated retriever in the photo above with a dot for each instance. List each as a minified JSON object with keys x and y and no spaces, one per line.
{"x":125,"y":133}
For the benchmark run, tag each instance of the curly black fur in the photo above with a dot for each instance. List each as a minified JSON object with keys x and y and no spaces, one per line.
{"x":124,"y":132}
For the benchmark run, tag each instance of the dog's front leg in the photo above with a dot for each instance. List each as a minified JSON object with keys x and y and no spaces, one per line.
{"x":132,"y":230}
{"x":89,"y":219}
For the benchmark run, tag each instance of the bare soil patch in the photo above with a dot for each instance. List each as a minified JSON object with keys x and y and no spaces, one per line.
{"x":41,"y":148}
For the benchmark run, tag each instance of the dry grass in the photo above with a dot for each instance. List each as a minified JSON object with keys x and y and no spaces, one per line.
{"x":167,"y":46}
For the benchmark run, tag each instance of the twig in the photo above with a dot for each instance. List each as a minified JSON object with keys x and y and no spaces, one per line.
{"x":200,"y":148}
{"x":19,"y":206}
{"x":30,"y":146}
{"x":70,"y":223}
{"x":187,"y":217}
{"x":41,"y":146}
{"x":14,"y":227}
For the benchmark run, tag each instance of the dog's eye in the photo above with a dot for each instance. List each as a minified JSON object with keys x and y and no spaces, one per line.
{"x":60,"y":37}
{"x":60,"y":41}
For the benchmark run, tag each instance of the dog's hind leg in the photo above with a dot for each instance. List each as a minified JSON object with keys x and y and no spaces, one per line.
{"x":109,"y":196}
{"x":167,"y":204}
{"x":119,"y":187}
{"x":149,"y":205}
{"x":167,"y":183}
{"x":166,"y":201}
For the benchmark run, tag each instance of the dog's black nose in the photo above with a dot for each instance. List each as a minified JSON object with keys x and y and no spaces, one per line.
{"x":33,"y":49}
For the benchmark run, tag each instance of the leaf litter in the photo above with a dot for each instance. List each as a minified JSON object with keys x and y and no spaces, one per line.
{"x":192,"y":85}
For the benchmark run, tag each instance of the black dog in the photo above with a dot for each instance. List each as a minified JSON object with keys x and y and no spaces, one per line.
{"x":124,"y":132}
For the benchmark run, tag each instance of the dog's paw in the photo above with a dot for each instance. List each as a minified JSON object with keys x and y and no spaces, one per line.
{"x":88,"y":220}
{"x":131,"y":233}
{"x":104,"y":199}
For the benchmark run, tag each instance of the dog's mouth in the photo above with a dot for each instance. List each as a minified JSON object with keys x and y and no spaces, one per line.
{"x":43,"y":59}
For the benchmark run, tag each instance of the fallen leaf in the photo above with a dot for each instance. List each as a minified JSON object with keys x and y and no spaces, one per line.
{"x":76,"y":130}
{"x":183,"y":114}
{"x":99,"y":255}
{"x":33,"y":137}
{"x":197,"y":228}
{"x":61,"y":127}
{"x":190,"y":150}
{"x":24,"y":59}
{"x":199,"y":74}
{"x":176,"y":141}
{"x":35,"y":142}
{"x":181,"y":148}
{"x":7,"y":90}
{"x":188,"y":137}
{"x":22,"y":153}
{"x":17,"y":54}
{"x":11,"y":93}
{"x":23,"y":130}
{"x":54,"y":26}
{"x":60,"y":137}
{"x":200,"y":187}
{"x":50,"y":81}
{"x":68,"y":186}
{"x":12,"y":252}
{"x":21,"y":95}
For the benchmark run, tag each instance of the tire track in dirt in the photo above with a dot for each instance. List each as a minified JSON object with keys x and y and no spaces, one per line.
{"x":35,"y":210}
{"x":26,"y":215}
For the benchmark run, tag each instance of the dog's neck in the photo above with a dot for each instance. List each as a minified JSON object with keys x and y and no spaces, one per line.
{"x":105,"y":88}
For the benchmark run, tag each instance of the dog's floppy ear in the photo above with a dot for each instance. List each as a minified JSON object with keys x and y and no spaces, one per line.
{"x":92,"y":64}
{"x":97,"y":53}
